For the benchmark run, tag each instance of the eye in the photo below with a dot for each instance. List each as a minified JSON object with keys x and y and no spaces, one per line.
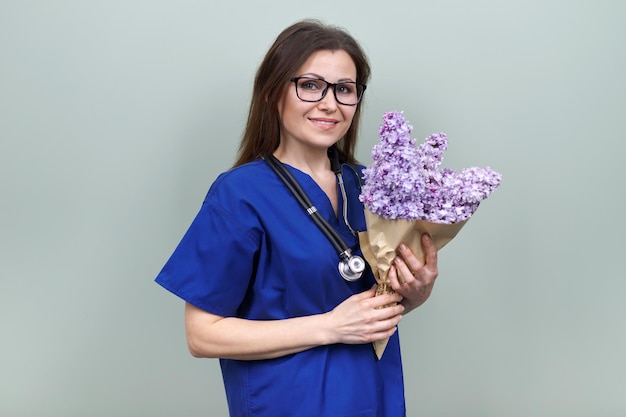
{"x":346,"y":89}
{"x":311,"y":84}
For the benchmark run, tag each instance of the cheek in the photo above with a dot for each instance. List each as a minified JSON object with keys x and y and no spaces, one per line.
{"x":289,"y":108}
{"x":349,"y":114}
{"x":280,"y":106}
{"x":284,"y":104}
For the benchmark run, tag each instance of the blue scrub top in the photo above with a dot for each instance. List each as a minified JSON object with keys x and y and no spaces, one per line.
{"x":253,"y":252}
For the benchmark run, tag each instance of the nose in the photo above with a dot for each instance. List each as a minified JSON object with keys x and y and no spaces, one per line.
{"x":329,"y":102}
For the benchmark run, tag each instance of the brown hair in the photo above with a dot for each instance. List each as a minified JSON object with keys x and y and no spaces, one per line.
{"x":290,"y":50}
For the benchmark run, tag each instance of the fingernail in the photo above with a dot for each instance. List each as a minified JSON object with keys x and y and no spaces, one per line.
{"x":402,"y":247}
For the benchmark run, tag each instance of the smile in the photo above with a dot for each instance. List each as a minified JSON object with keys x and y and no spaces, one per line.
{"x":324,"y":122}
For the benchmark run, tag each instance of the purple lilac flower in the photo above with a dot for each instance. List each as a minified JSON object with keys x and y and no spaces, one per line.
{"x":404,"y":181}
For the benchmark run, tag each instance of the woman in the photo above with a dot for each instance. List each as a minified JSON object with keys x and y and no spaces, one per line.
{"x":261,"y":283}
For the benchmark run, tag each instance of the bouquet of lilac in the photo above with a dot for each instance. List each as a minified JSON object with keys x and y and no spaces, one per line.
{"x":404,"y":182}
{"x":406,"y":194}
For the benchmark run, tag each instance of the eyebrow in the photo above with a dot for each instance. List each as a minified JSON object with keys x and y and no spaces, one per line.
{"x":314,"y":75}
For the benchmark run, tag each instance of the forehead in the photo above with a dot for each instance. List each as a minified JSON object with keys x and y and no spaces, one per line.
{"x":330,"y":65}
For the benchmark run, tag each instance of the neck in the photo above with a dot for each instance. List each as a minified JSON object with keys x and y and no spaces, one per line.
{"x":317,"y":165}
{"x":313,"y":162}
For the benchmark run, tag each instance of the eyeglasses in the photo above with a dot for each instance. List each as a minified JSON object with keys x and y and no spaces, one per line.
{"x":348,"y":93}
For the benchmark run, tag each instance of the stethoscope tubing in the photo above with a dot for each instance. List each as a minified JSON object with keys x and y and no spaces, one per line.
{"x":292,"y":184}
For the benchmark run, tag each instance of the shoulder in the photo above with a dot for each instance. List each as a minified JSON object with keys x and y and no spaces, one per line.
{"x":240,"y":181}
{"x":242,"y":174}
{"x":247,"y":191}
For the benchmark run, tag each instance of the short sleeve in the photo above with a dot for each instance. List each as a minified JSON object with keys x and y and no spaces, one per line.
{"x":214,"y":262}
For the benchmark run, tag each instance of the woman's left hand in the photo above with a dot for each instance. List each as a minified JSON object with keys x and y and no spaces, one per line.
{"x":410,"y":277}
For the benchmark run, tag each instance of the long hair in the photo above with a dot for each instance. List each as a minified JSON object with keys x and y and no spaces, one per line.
{"x":290,"y":50}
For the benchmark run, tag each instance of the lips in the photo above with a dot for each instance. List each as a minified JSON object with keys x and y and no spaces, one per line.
{"x":324,"y":123}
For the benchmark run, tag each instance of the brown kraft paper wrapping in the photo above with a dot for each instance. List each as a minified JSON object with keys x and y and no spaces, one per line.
{"x":383,"y":236}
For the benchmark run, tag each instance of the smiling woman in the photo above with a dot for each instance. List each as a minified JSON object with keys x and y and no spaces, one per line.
{"x":262,"y":289}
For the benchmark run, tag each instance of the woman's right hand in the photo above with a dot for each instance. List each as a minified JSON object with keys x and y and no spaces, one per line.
{"x":363,"y":317}
{"x":359,"y":319}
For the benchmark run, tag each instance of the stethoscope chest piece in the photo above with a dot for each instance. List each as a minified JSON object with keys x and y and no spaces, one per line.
{"x":352,"y":268}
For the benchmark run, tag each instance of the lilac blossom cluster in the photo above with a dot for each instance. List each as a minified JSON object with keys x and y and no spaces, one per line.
{"x":404,"y":181}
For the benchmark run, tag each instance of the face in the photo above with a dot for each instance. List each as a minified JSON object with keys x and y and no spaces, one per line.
{"x":318,"y":125}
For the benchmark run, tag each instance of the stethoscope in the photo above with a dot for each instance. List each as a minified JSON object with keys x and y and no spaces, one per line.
{"x":350,"y":266}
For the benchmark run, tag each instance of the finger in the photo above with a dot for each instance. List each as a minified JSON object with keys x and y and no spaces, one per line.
{"x":385,"y":299}
{"x":430,"y":250}
{"x":383,"y":334}
{"x":394,"y":279}
{"x":412,"y":262}
{"x":404,"y":273}
{"x":398,"y":284}
{"x":392,"y":312}
{"x":390,"y":322}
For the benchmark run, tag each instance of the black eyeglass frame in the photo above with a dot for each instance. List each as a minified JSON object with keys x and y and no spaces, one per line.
{"x":328,"y":85}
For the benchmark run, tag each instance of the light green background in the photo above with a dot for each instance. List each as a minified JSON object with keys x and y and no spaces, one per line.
{"x":116,"y":116}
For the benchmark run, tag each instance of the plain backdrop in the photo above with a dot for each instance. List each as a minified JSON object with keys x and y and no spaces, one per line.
{"x":116,"y":116}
